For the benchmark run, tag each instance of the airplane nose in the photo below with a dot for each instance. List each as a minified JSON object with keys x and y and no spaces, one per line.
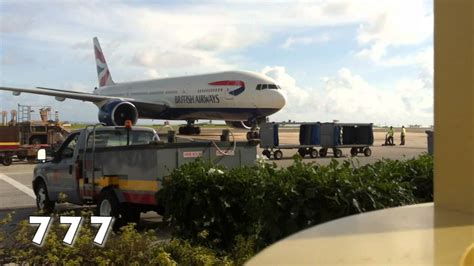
{"x":280,"y":100}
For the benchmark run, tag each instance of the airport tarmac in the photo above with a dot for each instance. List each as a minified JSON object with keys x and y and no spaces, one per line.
{"x":416,"y":143}
{"x":16,"y":188}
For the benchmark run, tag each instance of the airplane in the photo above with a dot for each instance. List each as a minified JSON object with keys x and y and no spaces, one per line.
{"x":241,"y":98}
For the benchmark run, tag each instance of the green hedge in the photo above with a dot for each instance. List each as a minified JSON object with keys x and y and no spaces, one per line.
{"x":213,"y":206}
{"x":227,"y":215}
{"x":127,"y":247}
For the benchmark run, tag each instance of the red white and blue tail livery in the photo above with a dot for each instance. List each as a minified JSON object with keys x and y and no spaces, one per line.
{"x":103,"y":73}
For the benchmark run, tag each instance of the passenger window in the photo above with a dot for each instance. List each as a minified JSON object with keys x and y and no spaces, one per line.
{"x":264,"y":86}
{"x":259,"y":86}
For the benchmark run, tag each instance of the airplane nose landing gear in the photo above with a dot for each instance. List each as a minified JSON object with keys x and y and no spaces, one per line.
{"x":253,"y":134}
{"x":189,"y":129}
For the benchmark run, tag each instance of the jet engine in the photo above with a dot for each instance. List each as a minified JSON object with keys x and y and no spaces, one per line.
{"x":239,"y":124}
{"x":115,"y":113}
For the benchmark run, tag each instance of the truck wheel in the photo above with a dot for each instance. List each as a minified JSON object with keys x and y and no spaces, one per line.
{"x":337,"y":153}
{"x":313,"y":153}
{"x":7,"y":160}
{"x":267,"y":153}
{"x":42,"y":199}
{"x":323,"y":152}
{"x":367,"y":152}
{"x":160,"y":210}
{"x":196,"y":130}
{"x":108,"y":205}
{"x":278,"y":155}
{"x":354,"y":151}
{"x":302,"y":152}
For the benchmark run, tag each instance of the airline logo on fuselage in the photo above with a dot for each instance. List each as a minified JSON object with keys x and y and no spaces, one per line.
{"x":226,"y":83}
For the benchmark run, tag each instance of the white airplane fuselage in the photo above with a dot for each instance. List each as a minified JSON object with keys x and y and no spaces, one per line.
{"x":231,"y":96}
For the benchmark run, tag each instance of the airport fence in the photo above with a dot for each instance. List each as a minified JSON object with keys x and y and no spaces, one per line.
{"x":265,"y":203}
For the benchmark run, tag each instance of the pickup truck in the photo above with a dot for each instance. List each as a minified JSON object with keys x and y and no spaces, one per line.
{"x":120,"y":169}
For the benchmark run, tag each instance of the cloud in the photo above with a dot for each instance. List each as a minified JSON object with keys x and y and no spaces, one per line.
{"x":295,"y":95}
{"x":154,"y":74}
{"x":291,"y":41}
{"x":348,"y":97}
{"x":167,"y":59}
{"x":300,"y":101}
{"x":188,"y":38}
{"x":399,"y":23}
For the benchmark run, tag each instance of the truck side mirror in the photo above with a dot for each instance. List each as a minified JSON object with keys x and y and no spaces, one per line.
{"x":41,"y":155}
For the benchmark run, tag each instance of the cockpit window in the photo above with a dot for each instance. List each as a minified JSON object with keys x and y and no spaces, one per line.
{"x":272,"y":87}
{"x":268,"y":86}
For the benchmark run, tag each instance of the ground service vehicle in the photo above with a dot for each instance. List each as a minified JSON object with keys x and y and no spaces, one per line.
{"x":330,"y":137}
{"x":22,"y":136}
{"x":120,"y":169}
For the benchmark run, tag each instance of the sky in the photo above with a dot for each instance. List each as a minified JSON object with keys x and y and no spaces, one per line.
{"x":347,"y":60}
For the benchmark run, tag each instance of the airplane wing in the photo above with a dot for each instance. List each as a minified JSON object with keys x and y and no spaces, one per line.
{"x":145,"y":109}
{"x":83,"y":96}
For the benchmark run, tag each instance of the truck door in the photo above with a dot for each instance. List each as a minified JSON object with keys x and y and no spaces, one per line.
{"x":60,"y":175}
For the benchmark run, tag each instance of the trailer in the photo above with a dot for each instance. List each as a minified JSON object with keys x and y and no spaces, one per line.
{"x":358,"y":137}
{"x":270,"y":140}
{"x":23,"y":137}
{"x":9,"y":144}
{"x":120,"y":169}
{"x":329,"y":137}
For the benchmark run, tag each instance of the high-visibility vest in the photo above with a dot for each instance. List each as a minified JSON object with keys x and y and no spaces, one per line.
{"x":390,"y":132}
{"x":404,"y":131}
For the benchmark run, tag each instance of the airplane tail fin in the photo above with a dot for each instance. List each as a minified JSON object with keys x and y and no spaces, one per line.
{"x":103,"y":72}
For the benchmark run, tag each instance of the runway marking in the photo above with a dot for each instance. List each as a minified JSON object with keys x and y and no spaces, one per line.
{"x":28,"y":191}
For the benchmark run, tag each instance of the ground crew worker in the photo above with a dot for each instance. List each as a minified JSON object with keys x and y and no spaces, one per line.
{"x":389,"y":136}
{"x":402,"y":135}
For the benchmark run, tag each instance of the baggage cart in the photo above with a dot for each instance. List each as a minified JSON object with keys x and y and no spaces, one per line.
{"x":330,"y":137}
{"x":308,"y":139}
{"x":356,"y":136}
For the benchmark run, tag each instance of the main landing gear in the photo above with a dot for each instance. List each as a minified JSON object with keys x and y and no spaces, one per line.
{"x":189,"y":129}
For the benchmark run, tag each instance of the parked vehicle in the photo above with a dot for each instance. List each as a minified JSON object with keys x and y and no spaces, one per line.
{"x":23,"y":136}
{"x":120,"y":169}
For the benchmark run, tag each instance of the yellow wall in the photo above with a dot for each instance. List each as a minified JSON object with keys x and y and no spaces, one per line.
{"x":454,"y":104}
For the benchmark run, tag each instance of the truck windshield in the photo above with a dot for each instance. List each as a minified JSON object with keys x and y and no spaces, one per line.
{"x":115,"y":138}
